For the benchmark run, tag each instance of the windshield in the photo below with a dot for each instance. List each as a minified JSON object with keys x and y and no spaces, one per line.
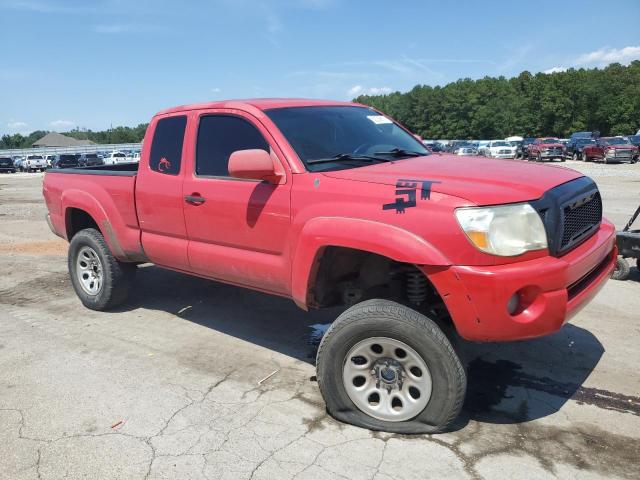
{"x":67,"y":158}
{"x":34,"y":157}
{"x":549,"y":140}
{"x":91,"y":155}
{"x":585,"y":141}
{"x":119,"y":155}
{"x":500,"y":144}
{"x":615,"y":141}
{"x":317,"y":133}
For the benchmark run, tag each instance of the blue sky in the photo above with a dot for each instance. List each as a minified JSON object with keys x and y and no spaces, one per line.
{"x":91,"y":64}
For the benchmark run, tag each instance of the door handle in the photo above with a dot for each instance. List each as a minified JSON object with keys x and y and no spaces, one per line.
{"x":194,"y":199}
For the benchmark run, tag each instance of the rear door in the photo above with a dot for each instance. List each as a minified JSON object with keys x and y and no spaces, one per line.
{"x":238,"y":230}
{"x":159,"y":202}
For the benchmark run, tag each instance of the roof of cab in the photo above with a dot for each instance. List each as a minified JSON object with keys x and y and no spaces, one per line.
{"x":259,"y":103}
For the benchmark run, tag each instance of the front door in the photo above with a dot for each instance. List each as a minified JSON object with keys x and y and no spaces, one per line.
{"x":237,"y":228}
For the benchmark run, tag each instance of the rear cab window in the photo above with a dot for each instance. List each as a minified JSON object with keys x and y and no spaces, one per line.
{"x":166,"y":147}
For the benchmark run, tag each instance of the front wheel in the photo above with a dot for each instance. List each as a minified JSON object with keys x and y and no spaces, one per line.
{"x":384,"y":366}
{"x":98,"y":278}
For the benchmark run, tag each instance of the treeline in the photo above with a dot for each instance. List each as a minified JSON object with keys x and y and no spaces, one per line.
{"x":556,"y":104}
{"x":113,"y":135}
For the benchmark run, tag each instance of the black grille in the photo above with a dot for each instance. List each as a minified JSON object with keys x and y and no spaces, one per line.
{"x":580,"y":219}
{"x":571,"y":213}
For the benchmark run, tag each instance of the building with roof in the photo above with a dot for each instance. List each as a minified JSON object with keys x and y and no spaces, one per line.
{"x":54,"y":139}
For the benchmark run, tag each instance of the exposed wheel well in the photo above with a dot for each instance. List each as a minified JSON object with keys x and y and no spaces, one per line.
{"x":76,"y":220}
{"x":345,"y":276}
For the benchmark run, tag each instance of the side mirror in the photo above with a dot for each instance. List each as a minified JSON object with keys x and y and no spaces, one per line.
{"x":253,"y":164}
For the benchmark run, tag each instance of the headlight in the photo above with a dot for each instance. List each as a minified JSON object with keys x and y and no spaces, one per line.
{"x":505,"y":230}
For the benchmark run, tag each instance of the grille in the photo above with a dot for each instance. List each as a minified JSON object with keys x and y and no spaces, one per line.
{"x":580,"y":219}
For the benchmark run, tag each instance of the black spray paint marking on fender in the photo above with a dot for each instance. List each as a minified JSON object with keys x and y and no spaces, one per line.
{"x":406,"y":194}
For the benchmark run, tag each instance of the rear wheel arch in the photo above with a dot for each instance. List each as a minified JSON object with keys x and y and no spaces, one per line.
{"x":77,"y":219}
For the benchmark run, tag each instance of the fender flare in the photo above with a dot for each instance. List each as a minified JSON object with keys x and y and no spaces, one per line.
{"x":366,"y":235}
{"x":81,"y":200}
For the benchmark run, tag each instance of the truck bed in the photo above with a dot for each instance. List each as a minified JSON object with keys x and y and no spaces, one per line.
{"x":107,"y":194}
{"x":121,"y":169}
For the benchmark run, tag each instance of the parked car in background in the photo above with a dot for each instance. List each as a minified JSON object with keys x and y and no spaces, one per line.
{"x":89,"y":160}
{"x":593,"y":135}
{"x":49,"y":159}
{"x":134,"y":157}
{"x":498,"y":149}
{"x":548,"y":148}
{"x":17,"y":162}
{"x":33,"y":163}
{"x":114,"y":158}
{"x":610,"y":149}
{"x":573,"y":148}
{"x":6,"y":165}
{"x":66,"y":160}
{"x":466,"y":150}
{"x":634,"y":140}
{"x":522,"y":148}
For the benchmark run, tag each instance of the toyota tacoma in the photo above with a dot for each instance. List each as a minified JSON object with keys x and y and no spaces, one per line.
{"x":335,"y":204}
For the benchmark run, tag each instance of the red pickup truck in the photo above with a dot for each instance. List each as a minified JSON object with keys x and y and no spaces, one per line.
{"x":335,"y":204}
{"x":610,"y":149}
{"x":546,"y":149}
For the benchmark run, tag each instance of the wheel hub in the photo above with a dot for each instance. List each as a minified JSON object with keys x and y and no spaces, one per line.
{"x":389,"y":373}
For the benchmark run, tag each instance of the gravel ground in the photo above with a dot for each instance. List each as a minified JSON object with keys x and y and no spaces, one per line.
{"x":169,"y":386}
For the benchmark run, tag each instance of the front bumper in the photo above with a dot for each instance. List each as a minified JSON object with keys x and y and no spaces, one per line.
{"x":504,"y":155}
{"x":550,"y":290}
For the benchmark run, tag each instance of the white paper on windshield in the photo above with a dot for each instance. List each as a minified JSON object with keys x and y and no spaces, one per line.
{"x":379,"y":119}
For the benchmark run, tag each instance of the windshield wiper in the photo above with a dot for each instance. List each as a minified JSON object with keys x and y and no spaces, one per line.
{"x":399,"y":152}
{"x":345,"y":157}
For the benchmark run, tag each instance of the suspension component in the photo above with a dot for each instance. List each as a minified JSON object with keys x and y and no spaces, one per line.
{"x":416,"y":287}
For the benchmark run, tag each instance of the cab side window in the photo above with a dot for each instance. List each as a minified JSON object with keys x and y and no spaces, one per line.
{"x":166,"y":148}
{"x":218,"y":137}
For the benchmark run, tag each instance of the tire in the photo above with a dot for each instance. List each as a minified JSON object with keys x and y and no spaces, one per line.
{"x":112,"y":278}
{"x":539,"y":158}
{"x":398,"y":328}
{"x":638,"y":263}
{"x":622,"y":270}
{"x":585,"y":158}
{"x":575,"y":157}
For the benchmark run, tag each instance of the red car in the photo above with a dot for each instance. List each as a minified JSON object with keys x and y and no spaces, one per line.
{"x":548,"y":148}
{"x":610,"y":149}
{"x":333,"y":204}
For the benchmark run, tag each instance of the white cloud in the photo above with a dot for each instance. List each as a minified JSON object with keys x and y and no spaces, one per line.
{"x":17,"y":126}
{"x":360,"y":90}
{"x":555,"y":70}
{"x":62,"y":124}
{"x":215,"y":90}
{"x":607,"y":55}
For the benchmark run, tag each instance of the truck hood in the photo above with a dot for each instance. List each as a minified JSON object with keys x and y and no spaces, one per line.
{"x":482,"y":181}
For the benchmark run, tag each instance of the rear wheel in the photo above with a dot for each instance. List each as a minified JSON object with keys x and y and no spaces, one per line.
{"x":98,"y":278}
{"x":384,"y":366}
{"x":622,"y":270}
{"x":539,"y":158}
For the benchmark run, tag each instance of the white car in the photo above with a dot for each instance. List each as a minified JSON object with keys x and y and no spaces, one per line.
{"x":32,"y":163}
{"x":134,"y":157}
{"x":114,"y":158}
{"x":499,"y":149}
